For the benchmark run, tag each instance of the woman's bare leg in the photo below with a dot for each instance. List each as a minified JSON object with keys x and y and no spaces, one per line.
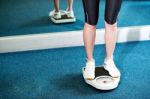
{"x":110,"y":39}
{"x":56,"y":5}
{"x":70,"y":5}
{"x":89,"y":34}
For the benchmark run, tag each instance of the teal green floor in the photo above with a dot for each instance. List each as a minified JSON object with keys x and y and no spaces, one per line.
{"x":56,"y":73}
{"x":20,"y":17}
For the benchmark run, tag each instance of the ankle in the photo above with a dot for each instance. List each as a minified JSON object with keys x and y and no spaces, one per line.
{"x":69,"y":9}
{"x":109,"y":58}
{"x":109,"y":61}
{"x":90,"y":59}
{"x":56,"y":11}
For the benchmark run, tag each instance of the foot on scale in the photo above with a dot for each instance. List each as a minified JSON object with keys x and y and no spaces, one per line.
{"x":62,"y":16}
{"x":103,"y":80}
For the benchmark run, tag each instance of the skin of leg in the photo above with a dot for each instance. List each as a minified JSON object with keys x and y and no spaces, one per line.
{"x":89,"y":34}
{"x":110,"y":39}
{"x":70,"y":5}
{"x":56,"y":5}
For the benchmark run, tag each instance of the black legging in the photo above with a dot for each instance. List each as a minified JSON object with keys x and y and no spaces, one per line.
{"x":91,"y":10}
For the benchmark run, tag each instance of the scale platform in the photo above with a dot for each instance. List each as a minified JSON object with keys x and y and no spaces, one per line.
{"x":102,"y":81}
{"x":64,"y":18}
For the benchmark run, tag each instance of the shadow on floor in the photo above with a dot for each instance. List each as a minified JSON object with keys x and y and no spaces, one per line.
{"x":76,"y":84}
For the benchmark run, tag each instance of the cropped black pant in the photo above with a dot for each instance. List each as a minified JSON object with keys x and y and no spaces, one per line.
{"x":91,"y":10}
